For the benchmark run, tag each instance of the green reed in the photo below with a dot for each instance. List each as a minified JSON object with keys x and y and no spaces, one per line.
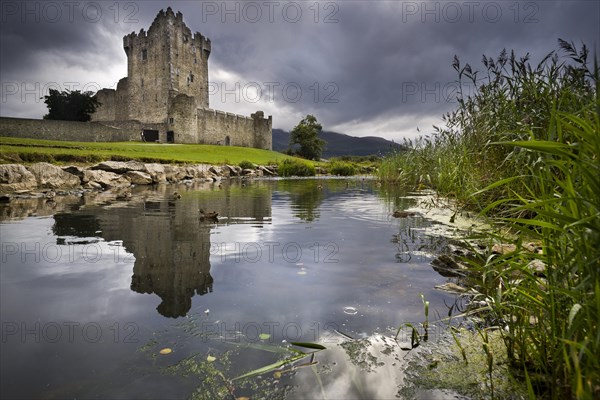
{"x":524,"y":149}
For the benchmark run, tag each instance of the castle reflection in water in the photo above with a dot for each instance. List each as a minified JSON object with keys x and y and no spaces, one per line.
{"x":170,"y":242}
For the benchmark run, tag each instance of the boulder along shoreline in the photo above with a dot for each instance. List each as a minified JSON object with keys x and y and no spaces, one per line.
{"x":18,"y":180}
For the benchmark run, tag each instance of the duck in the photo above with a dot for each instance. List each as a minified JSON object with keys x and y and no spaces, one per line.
{"x":402,"y":214}
{"x":209,"y":216}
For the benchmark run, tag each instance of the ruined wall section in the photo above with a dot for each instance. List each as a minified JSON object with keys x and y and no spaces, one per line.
{"x":114,"y":104}
{"x":219,"y":127}
{"x":107,"y":109}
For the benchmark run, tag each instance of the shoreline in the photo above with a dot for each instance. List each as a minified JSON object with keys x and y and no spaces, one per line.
{"x":21,"y":180}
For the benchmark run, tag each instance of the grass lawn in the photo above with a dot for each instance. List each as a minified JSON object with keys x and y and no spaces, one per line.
{"x":34,"y":150}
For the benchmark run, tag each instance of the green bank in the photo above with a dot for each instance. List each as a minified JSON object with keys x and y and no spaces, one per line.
{"x":34,"y":150}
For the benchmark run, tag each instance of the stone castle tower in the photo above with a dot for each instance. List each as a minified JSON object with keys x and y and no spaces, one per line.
{"x":166,"y":90}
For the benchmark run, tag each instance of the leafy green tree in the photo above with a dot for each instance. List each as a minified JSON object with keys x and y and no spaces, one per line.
{"x":306,"y":135}
{"x":70,"y":105}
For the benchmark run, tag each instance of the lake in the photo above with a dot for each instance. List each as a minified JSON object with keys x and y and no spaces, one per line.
{"x":92,"y":289}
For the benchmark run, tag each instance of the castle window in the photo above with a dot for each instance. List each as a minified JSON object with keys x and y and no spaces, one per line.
{"x":191,"y":77}
{"x":171,"y":120}
{"x":195,"y":60}
{"x":144,"y":54}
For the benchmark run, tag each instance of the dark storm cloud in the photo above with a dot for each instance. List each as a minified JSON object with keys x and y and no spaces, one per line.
{"x":378,"y":60}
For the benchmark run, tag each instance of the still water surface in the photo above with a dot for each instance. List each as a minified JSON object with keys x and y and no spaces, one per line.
{"x":91,"y":289}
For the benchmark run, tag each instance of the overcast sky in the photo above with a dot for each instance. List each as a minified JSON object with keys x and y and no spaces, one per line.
{"x":365,"y":68}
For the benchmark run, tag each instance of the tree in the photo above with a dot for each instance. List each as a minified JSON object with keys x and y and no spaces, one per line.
{"x":306,"y":135}
{"x":70,"y":106}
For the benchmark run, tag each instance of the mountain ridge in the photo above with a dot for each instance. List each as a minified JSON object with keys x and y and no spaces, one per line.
{"x":341,"y":144}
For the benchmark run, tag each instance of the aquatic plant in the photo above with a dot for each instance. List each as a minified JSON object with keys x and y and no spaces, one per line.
{"x":295,"y":168}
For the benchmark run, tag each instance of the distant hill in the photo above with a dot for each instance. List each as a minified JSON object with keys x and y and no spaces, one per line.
{"x":339,"y":144}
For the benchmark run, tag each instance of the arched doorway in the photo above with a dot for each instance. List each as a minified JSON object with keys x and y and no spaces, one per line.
{"x":227,"y":141}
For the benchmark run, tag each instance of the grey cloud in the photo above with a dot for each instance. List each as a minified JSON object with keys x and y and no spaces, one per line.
{"x":374,"y":53}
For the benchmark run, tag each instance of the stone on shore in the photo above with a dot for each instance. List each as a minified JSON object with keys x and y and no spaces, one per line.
{"x":14,"y":177}
{"x":50,"y":176}
{"x":120,"y":167}
{"x":157,"y":172}
{"x":105,"y":178}
{"x":138,"y":177}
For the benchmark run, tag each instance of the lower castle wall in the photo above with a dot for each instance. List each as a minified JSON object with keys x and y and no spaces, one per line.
{"x":113,"y":131}
{"x":204,"y":126}
{"x":219,"y":127}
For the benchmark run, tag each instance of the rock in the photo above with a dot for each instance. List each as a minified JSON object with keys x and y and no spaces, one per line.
{"x":537,"y":267}
{"x":447,"y":266}
{"x":15,"y":177}
{"x":120,"y":167}
{"x":138,"y":177}
{"x":52,"y":177}
{"x":92,"y":185}
{"x":451,"y":287}
{"x":213,"y":170}
{"x":503,"y":248}
{"x":173,"y":173}
{"x":266,"y":171}
{"x":248,"y":172}
{"x":106,"y":179}
{"x":157,"y":172}
{"x":198,"y":171}
{"x":74,"y":170}
{"x":533,"y":247}
{"x":232,"y":169}
{"x":402,"y":214}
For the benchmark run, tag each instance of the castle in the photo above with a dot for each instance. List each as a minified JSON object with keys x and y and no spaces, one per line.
{"x":164,"y":98}
{"x":166,"y":89}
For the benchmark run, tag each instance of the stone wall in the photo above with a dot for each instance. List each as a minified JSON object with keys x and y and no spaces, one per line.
{"x":190,"y":125}
{"x":183,"y":120}
{"x":115,"y":131}
{"x":219,"y":127}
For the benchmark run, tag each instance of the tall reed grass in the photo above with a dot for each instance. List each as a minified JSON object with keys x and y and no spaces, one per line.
{"x":525,"y":150}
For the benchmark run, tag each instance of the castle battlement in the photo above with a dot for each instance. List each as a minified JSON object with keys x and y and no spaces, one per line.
{"x":167,"y":83}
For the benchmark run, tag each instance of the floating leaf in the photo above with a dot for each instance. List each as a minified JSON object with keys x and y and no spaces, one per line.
{"x":309,"y":345}
{"x":270,"y":367}
{"x":264,"y":336}
{"x":166,"y":350}
{"x":277,"y":375}
{"x":211,"y":358}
